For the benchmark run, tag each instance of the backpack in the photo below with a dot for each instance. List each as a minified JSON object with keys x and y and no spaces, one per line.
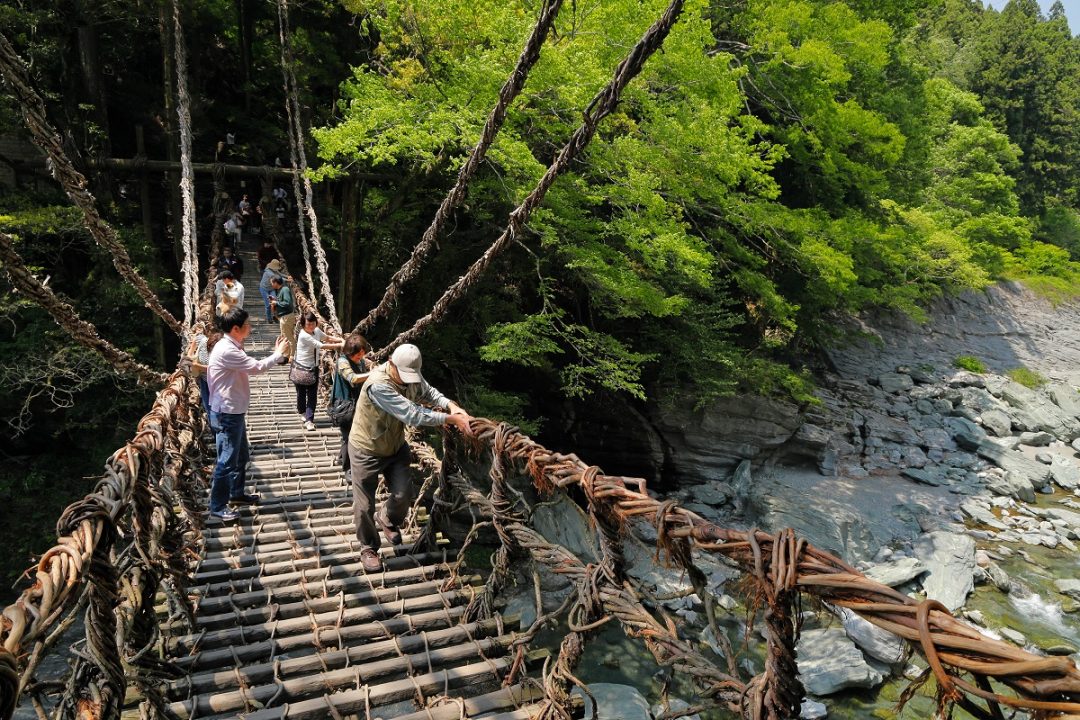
{"x":341,"y":407}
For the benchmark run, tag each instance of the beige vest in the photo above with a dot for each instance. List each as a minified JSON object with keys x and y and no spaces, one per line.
{"x":374,"y":431}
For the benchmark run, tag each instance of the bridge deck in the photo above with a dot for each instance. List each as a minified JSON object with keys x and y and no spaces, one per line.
{"x":288,"y":623}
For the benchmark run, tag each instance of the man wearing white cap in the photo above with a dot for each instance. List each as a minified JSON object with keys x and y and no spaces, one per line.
{"x":394,"y":395}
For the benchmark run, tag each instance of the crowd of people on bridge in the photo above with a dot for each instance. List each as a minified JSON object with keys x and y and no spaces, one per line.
{"x":370,"y":405}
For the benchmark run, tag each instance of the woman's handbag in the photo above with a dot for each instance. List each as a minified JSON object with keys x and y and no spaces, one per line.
{"x":303,"y":376}
{"x":341,"y":407}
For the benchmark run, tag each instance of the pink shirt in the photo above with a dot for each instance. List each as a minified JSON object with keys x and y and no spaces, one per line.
{"x":230,"y":366}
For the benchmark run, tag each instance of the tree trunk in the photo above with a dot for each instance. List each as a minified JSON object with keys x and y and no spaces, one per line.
{"x":148,"y":236}
{"x":93,"y":88}
{"x":245,"y":24}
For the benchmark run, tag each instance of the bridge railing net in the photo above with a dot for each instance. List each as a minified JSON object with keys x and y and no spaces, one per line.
{"x":130,"y":538}
{"x":980,"y":674}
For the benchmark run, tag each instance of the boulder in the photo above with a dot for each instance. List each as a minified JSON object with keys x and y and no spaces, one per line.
{"x":895,"y":382}
{"x":1064,"y":472}
{"x":1010,"y":460}
{"x":813,"y":710}
{"x":997,"y":422}
{"x":950,"y":562}
{"x":1065,"y":397}
{"x":829,"y":662}
{"x":878,"y":425}
{"x":712,"y":493}
{"x":926,"y":476}
{"x":562,"y":522}
{"x":897,"y":572}
{"x":673,"y":704}
{"x":1013,"y":484}
{"x":615,"y":702}
{"x":1036,"y":439}
{"x":872,"y":640}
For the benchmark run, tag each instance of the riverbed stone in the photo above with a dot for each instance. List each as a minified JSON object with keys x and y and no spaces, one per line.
{"x":615,"y":702}
{"x":950,"y":562}
{"x":996,"y":422}
{"x":1068,"y":586}
{"x":927,"y":476}
{"x":895,"y":382}
{"x":1036,"y":439}
{"x":896,"y":572}
{"x":1011,"y":483}
{"x":872,"y":640}
{"x":1065,"y":472}
{"x":829,"y":662}
{"x":675,"y":704}
{"x":813,"y":710}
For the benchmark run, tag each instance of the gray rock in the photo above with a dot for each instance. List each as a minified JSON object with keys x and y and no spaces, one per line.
{"x":1030,"y":469}
{"x":997,"y":422}
{"x":1065,"y":397}
{"x":926,"y":476}
{"x":829,"y":661}
{"x":1014,"y":636}
{"x":887,"y":428}
{"x":713,"y":493}
{"x":895,"y":382}
{"x":897,"y":572}
{"x":673,"y":704}
{"x":963,"y":378}
{"x":1069,"y":586}
{"x":616,"y":702}
{"x":1064,"y":472}
{"x":562,"y":522}
{"x":1036,"y":439}
{"x":950,"y":562}
{"x":980,"y":513}
{"x":1076,"y":444}
{"x":1013,"y":484}
{"x":813,"y":710}
{"x":1044,"y":457}
{"x":998,"y":577}
{"x":926,"y":407}
{"x":872,"y":640}
{"x":937,"y":439}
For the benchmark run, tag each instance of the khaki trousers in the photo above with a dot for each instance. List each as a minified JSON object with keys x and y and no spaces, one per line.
{"x":288,"y":329}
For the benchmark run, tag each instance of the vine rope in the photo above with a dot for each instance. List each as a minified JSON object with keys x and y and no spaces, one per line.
{"x":15,"y":74}
{"x":190,"y":266}
{"x":600,"y":107}
{"x":509,"y":91}
{"x":65,"y":316}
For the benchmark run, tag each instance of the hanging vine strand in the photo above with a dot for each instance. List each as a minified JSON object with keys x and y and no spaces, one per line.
{"x":510,"y":90}
{"x":65,"y":316}
{"x":602,"y":105}
{"x":190,"y":242}
{"x":293,"y":88}
{"x":45,"y":136}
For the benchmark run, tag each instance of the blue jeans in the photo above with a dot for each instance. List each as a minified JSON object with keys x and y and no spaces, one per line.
{"x":266,"y":303}
{"x":230,"y":472}
{"x":204,"y":395}
{"x":306,"y":398}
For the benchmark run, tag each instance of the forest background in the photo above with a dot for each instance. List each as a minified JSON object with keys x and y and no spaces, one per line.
{"x":780,"y":162}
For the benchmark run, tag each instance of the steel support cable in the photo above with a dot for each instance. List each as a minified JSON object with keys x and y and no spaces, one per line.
{"x":190,"y":265}
{"x":81,"y":559}
{"x":509,"y":91}
{"x":294,"y":139}
{"x":65,"y":316}
{"x":1050,"y":685}
{"x":45,"y":136}
{"x":600,"y":107}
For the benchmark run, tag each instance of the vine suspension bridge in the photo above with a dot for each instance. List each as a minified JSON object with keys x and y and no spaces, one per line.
{"x":273,"y":616}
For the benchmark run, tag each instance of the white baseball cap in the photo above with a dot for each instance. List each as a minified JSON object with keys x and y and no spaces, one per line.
{"x":407,"y":360}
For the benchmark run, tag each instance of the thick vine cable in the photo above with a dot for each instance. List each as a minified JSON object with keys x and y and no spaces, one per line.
{"x":1047,"y":685}
{"x":510,"y":90}
{"x":14,"y":72}
{"x":602,"y":105}
{"x":66,"y":317}
{"x":304,"y":196}
{"x":190,"y":265}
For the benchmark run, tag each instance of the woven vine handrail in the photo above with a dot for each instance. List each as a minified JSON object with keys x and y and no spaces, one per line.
{"x":143,"y":496}
{"x":963,"y":660}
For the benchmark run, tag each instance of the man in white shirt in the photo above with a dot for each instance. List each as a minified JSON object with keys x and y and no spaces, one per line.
{"x":230,"y":291}
{"x":230,"y":394}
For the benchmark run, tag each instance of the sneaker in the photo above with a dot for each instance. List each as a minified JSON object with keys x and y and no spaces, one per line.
{"x":370,"y":560}
{"x":244,"y":500}
{"x":225,"y":515}
{"x":309,"y":426}
{"x":392,"y":533}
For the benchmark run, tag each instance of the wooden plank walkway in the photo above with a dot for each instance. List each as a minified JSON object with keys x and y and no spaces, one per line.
{"x":289,"y":625}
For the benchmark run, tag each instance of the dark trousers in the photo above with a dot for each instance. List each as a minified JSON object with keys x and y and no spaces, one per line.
{"x":230,"y":472}
{"x":306,"y":397}
{"x":343,"y":453}
{"x":365,"y":480}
